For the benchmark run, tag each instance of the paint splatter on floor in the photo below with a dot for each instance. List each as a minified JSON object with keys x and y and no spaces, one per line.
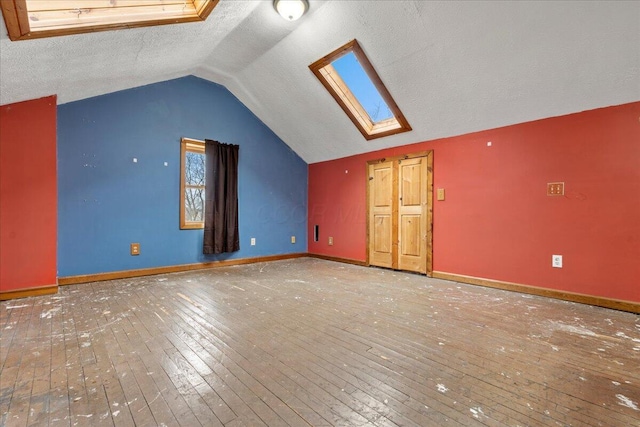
{"x":49,"y":313}
{"x":559,"y":326}
{"x":625,"y":401}
{"x":477,"y":412}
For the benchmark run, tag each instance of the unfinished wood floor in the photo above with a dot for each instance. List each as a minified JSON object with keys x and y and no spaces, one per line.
{"x":312,"y":342}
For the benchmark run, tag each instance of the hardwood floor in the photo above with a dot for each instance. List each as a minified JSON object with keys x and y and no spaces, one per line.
{"x":313,"y":342}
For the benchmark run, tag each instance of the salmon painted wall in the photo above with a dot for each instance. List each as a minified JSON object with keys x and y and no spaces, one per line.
{"x":28,"y":194}
{"x":497,"y":221}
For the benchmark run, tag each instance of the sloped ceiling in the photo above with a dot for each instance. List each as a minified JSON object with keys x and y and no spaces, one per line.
{"x":452,"y":67}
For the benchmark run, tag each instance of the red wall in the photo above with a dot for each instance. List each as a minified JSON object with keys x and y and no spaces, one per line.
{"x":28,"y":195}
{"x":497,"y":221}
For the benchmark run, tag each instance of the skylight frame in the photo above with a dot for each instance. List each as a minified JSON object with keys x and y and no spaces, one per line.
{"x":49,"y":22}
{"x":331,"y":80}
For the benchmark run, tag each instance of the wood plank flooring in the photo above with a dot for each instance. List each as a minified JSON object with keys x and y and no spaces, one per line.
{"x":308,"y":342}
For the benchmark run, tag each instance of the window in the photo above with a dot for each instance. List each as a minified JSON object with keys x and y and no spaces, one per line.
{"x":350,"y":78}
{"x":192,"y":181}
{"x":27,"y":19}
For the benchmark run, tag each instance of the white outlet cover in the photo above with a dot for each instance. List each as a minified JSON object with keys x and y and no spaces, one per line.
{"x":253,"y":241}
{"x":556,"y":261}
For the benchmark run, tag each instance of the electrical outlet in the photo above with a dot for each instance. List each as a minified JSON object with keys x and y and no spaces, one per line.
{"x":556,"y":261}
{"x":330,"y":241}
{"x":134,"y":248}
{"x":293,"y":239}
{"x":253,"y":241}
{"x":440,"y":194}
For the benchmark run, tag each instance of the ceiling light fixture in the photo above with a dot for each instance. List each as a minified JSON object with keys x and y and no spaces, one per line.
{"x":291,"y":9}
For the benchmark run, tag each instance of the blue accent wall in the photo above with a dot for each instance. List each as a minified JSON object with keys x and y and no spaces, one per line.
{"x":106,"y":201}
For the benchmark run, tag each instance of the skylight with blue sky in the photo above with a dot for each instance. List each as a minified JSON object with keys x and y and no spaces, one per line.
{"x":362,"y":87}
{"x":353,"y":82}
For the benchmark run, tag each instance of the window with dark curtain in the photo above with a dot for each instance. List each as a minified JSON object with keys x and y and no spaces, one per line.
{"x":221,"y":199}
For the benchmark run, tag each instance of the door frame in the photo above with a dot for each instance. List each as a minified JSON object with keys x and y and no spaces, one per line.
{"x":428,"y":155}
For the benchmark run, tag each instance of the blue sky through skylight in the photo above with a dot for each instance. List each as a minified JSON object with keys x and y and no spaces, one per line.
{"x":362,"y":87}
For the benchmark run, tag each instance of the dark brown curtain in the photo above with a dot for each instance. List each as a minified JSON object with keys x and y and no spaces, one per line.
{"x":221,"y":198}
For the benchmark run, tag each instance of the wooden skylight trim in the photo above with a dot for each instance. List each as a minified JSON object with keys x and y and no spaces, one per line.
{"x":28,"y":19}
{"x":331,"y":80}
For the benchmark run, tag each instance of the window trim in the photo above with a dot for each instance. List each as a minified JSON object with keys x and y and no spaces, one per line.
{"x":331,"y":80}
{"x":52,"y":23}
{"x":194,"y":146}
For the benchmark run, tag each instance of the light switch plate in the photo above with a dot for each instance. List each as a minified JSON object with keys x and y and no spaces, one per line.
{"x":555,"y":189}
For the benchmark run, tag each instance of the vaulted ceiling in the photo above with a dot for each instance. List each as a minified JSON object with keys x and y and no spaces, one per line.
{"x":452,"y":67}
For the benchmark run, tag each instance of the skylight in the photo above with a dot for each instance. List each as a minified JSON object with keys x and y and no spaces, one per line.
{"x":362,"y":87}
{"x":27,"y":19}
{"x":352,"y":81}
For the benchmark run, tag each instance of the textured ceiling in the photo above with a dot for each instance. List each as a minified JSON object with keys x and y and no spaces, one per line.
{"x":452,"y":67}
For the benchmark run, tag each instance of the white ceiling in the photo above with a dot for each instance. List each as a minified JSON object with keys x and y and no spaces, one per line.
{"x":452,"y":67}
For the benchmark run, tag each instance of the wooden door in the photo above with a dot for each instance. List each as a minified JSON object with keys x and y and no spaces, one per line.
{"x":412,"y":215}
{"x":399,"y":213}
{"x":382,"y":225}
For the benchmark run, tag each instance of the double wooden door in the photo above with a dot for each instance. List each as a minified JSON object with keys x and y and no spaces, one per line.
{"x":399,"y":212}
